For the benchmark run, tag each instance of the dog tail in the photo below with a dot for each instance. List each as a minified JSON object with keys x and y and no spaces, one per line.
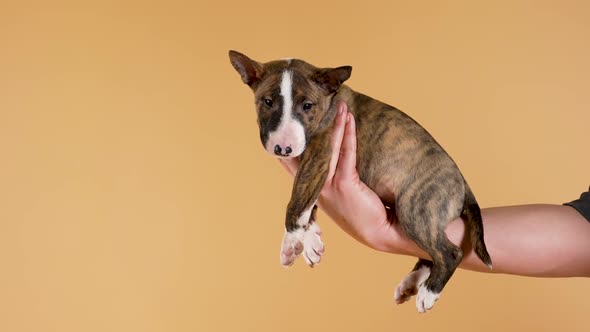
{"x":472,"y":214}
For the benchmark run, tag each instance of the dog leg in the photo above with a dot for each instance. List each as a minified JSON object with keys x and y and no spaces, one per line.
{"x":424,"y":210}
{"x":446,"y":257}
{"x":430,"y":281}
{"x":302,"y":234}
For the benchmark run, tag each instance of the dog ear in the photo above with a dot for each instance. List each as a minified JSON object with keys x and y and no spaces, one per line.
{"x":330,"y":79}
{"x":249,"y":70}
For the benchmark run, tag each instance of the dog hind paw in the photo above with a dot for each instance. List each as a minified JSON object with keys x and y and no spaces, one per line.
{"x":425,"y":299}
{"x":408,"y":287}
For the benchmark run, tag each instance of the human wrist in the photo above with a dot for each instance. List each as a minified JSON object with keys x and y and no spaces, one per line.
{"x":390,"y":240}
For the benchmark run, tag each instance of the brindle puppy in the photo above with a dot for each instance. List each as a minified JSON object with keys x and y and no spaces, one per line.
{"x":397,"y":158}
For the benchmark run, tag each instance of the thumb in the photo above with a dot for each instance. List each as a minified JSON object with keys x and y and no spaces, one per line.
{"x":346,"y":168}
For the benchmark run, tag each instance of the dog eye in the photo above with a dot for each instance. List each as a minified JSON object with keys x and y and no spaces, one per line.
{"x":307,"y":106}
{"x":268,"y":102}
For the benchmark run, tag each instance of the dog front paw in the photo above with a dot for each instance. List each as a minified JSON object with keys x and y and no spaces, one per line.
{"x":307,"y":241}
{"x":291,"y":247}
{"x":313,"y":247}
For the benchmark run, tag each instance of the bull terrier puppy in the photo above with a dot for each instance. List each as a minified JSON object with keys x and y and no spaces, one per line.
{"x":396,"y":157}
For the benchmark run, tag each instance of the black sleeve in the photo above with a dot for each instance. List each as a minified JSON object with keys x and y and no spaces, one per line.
{"x":582,"y":204}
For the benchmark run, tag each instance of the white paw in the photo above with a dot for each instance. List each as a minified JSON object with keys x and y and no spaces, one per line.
{"x":408,"y":287}
{"x":425,"y":299}
{"x":313,"y":247}
{"x":307,"y":241}
{"x":291,"y":247}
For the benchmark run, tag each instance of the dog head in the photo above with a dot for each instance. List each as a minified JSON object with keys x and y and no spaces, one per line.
{"x":292,"y":98}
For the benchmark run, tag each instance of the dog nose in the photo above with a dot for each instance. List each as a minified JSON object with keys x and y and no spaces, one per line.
{"x":279,"y":150}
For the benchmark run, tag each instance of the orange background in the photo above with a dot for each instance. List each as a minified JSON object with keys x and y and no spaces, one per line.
{"x":135,"y":194}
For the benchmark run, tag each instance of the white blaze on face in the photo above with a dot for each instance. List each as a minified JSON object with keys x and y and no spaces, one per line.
{"x":290,"y":132}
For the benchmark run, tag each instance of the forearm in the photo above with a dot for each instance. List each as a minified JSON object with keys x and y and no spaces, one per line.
{"x":529,"y":240}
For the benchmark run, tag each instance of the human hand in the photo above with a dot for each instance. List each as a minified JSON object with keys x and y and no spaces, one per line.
{"x":346,"y":199}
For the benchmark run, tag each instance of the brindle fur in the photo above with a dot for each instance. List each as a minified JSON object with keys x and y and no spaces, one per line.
{"x":396,"y":157}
